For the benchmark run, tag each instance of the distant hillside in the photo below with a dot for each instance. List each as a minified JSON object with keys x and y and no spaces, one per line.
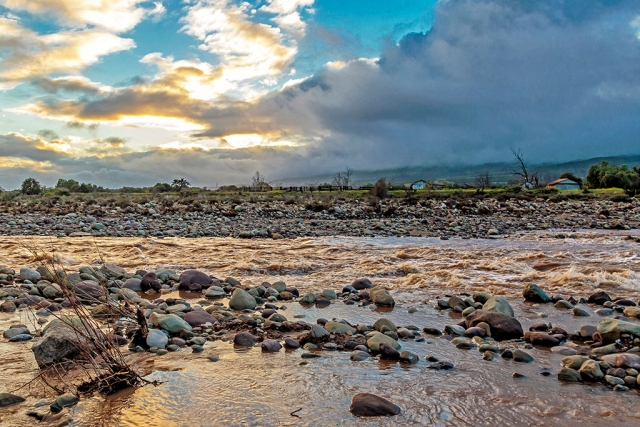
{"x":465,"y":174}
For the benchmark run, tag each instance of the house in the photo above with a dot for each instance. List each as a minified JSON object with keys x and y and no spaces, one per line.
{"x":262,"y":187}
{"x":564,"y":184}
{"x":419,"y":185}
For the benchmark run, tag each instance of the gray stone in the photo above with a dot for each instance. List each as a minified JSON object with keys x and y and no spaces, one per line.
{"x":245,"y":339}
{"x":29,"y":274}
{"x":570,"y":375}
{"x":242,"y":300}
{"x":271,"y":345}
{"x":409,"y":357}
{"x":381,"y":297}
{"x":532,"y":292}
{"x":522,"y":356}
{"x":157,"y":338}
{"x":339,"y":328}
{"x":359,"y":356}
{"x":370,"y":405}
{"x":498,"y":304}
{"x":590,"y":370}
{"x":7,"y":399}
{"x":63,"y":401}
{"x":384,"y":324}
{"x":317,"y":331}
{"x":173,"y":323}
{"x":376,"y":338}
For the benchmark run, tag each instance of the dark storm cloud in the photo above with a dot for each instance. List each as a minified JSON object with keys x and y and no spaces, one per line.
{"x":34,"y":149}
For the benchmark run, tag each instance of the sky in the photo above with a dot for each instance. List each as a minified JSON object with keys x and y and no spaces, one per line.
{"x":134,"y":92}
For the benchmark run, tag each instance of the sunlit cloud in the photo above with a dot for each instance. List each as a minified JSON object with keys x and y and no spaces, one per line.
{"x":113,"y":15}
{"x":33,"y":56}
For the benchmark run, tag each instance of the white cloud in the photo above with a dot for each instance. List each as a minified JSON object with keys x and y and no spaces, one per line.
{"x":288,"y":15}
{"x":113,"y":15}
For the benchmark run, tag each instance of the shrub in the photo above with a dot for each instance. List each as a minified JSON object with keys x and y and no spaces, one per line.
{"x":380,"y":189}
{"x":31,"y":186}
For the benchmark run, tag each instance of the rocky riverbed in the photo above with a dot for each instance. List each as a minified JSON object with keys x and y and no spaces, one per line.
{"x":469,"y":218}
{"x":300,"y":347}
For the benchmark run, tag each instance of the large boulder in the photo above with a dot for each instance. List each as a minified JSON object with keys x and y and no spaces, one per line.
{"x":498,"y":304}
{"x":112,"y":271}
{"x":88,"y":291}
{"x":611,"y":329}
{"x":623,"y":360}
{"x":194,"y":277}
{"x":533,"y":293}
{"x":150,"y":281}
{"x":197,"y":318}
{"x":61,"y":341}
{"x":133,"y":284}
{"x":370,"y":405}
{"x":242,"y":300}
{"x":381,"y":297}
{"x":173,"y":323}
{"x":376,"y":338}
{"x":503,"y":327}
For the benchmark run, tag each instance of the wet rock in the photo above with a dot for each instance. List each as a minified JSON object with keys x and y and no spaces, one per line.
{"x":15,"y":330}
{"x":245,"y":339}
{"x":7,"y":399}
{"x":590,"y":370}
{"x":150,"y":281}
{"x":329,"y":294}
{"x":29,"y":274}
{"x":441,"y":366}
{"x":503,"y":327}
{"x":579,"y":312}
{"x":8,"y":307}
{"x":157,"y":338}
{"x":381,"y":297}
{"x":605,"y":349}
{"x":587,"y":331}
{"x":191,"y":277}
{"x":431,"y":331}
{"x":573,"y":362}
{"x":198,"y":318}
{"x":173,"y":323}
{"x":613,"y":381}
{"x":291,"y":343}
{"x":215,"y":292}
{"x":611,"y":329}
{"x":475,"y":331}
{"x":359,"y":356}
{"x":271,"y":345}
{"x":60,"y":342}
{"x":533,"y":293}
{"x":88,"y":291}
{"x":498,"y":304}
{"x":317,"y":331}
{"x":623,"y":360}
{"x":454,"y":330}
{"x":599,"y":298}
{"x":377,"y":338}
{"x":63,"y":401}
{"x":242,"y":300}
{"x":564,"y":351}
{"x":133,"y":284}
{"x":322,"y":301}
{"x":361,"y":284}
{"x":481,"y":297}
{"x":370,"y":405}
{"x":522,"y":356}
{"x":541,"y":339}
{"x":339,"y":328}
{"x":569,"y":375}
{"x":309,"y":298}
{"x":632,"y":311}
{"x":387,"y":352}
{"x":20,"y":338}
{"x":408,"y":357}
{"x":383,"y":324}
{"x":563,"y":305}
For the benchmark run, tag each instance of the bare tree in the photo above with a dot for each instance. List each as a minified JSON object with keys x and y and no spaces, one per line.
{"x":343,"y":179}
{"x":258,"y":179}
{"x":483,"y":181}
{"x":522,"y":168}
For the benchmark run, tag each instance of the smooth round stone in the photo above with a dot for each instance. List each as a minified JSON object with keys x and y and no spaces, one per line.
{"x":271,"y":345}
{"x":291,"y":343}
{"x":359,"y":356}
{"x":310,"y":355}
{"x":197,"y":348}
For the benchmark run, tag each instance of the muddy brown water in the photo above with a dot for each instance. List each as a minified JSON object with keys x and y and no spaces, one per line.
{"x":251,"y":388}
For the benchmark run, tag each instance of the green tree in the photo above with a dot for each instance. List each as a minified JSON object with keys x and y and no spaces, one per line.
{"x":606,"y":175}
{"x":181,"y":183}
{"x":70,"y":184}
{"x":31,"y":186}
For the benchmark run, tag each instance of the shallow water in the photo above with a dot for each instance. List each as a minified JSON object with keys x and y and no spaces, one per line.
{"x":254,"y":389}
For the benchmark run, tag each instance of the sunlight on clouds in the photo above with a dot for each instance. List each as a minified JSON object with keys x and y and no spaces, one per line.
{"x":253,"y":140}
{"x":31,"y":55}
{"x":114,"y":15}
{"x":35,"y":166}
{"x":168,"y":123}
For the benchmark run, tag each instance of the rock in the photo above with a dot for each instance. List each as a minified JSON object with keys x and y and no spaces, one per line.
{"x":52,"y":291}
{"x":14,"y":331}
{"x":587,"y":331}
{"x":291,"y":343}
{"x":387,"y":352}
{"x":498,"y":304}
{"x":605,"y":349}
{"x":277,"y":317}
{"x":579,"y":312}
{"x":454,"y":330}
{"x":133,"y":284}
{"x":623,"y":360}
{"x":381,"y":297}
{"x":533,"y":293}
{"x":8,"y":307}
{"x":194,"y":277}
{"x":20,"y":338}
{"x":383,"y":324}
{"x":503,"y":327}
{"x":377,"y":338}
{"x":573,"y":362}
{"x":215,"y":292}
{"x":150,"y":281}
{"x":570,"y":375}
{"x":308,"y":299}
{"x":564,"y":351}
{"x":242,"y":300}
{"x":632,"y":312}
{"x":63,"y":401}
{"x":370,"y":405}
{"x":112,"y":271}
{"x":157,"y":338}
{"x":613,"y":381}
{"x":441,"y":366}
{"x":88,"y":291}
{"x":329,"y":294}
{"x":60,"y":341}
{"x":475,"y":331}
{"x":430,"y":330}
{"x":198,"y":318}
{"x":563,"y":305}
{"x":361,"y":284}
{"x":245,"y":339}
{"x":590,"y":370}
{"x":271,"y":345}
{"x":409,"y":357}
{"x":522,"y":356}
{"x":173,"y":323}
{"x":317,"y":331}
{"x":29,"y":274}
{"x":610,"y":329}
{"x":339,"y":328}
{"x":359,"y":356}
{"x":599,"y":298}
{"x":7,"y":399}
{"x":541,"y":339}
